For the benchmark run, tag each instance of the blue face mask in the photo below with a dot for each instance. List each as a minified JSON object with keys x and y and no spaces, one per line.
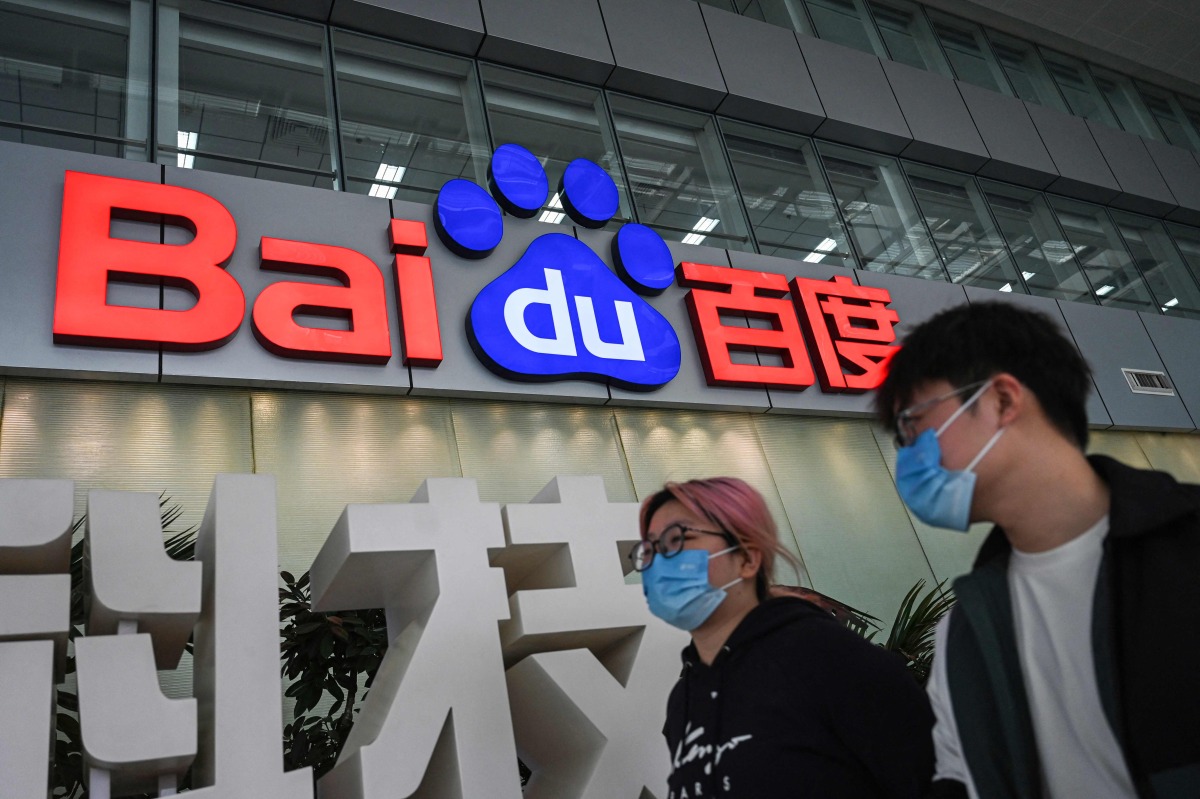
{"x":677,"y":588}
{"x":937,"y":495}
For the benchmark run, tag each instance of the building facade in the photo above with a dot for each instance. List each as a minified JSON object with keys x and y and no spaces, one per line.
{"x":912,"y":154}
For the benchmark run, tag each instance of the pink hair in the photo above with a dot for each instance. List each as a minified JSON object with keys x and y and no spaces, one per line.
{"x":735,"y":508}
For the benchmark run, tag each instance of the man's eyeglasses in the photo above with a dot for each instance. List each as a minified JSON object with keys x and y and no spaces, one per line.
{"x":669,"y":544}
{"x":906,"y":420}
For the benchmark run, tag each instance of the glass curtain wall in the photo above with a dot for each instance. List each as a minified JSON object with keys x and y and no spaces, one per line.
{"x":556,"y":121}
{"x":1041,"y":251}
{"x":958,"y":217}
{"x":678,"y":175}
{"x":789,"y":203}
{"x":410,"y":119}
{"x":1187,"y":239}
{"x":1104,"y":258}
{"x":1123,"y":99}
{"x":1170,"y":117}
{"x":76,"y":76}
{"x":884,"y":223}
{"x":1170,"y":281}
{"x":907,"y":35}
{"x":234,"y":98}
{"x":1075,"y":82}
{"x":845,"y":22}
{"x":784,"y":13}
{"x":1025,"y":71}
{"x":969,"y":53}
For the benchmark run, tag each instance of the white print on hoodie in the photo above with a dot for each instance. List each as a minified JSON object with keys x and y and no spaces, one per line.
{"x":701,"y":751}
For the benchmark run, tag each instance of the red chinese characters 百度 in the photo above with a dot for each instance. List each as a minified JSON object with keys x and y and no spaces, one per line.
{"x":850,"y":328}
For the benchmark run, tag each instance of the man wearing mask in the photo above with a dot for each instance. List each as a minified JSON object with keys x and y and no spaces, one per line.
{"x":1068,"y":666}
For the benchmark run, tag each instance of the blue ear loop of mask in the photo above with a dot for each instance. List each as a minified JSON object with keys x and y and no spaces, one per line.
{"x":678,"y":591}
{"x":939,"y":496}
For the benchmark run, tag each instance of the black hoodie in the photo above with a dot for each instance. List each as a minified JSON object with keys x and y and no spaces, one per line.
{"x":795,"y":705}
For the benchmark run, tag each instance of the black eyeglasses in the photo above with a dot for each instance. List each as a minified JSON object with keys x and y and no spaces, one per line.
{"x":906,"y":420}
{"x":669,"y":544}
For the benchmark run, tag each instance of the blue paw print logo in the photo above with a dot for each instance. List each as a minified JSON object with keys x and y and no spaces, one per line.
{"x":559,"y":312}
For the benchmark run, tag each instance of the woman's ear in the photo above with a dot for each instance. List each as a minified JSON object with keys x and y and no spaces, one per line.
{"x":752,"y":562}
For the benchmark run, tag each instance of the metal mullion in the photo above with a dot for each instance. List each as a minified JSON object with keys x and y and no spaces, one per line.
{"x":737,"y":188}
{"x":860,"y":261}
{"x":991,"y":215}
{"x":912,"y":194}
{"x":335,"y":111}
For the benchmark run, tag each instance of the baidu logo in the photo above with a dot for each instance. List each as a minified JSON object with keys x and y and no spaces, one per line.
{"x":559,"y":312}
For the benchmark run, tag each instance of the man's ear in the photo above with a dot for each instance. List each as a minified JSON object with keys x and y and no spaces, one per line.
{"x":1011,"y":398}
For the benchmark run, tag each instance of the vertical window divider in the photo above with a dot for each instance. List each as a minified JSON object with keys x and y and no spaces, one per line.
{"x":609,"y":129}
{"x":912,"y":196}
{"x":475,"y":112}
{"x":1104,"y":98}
{"x":741,"y":199}
{"x":859,"y":258}
{"x":331,"y":97}
{"x":991,"y":215}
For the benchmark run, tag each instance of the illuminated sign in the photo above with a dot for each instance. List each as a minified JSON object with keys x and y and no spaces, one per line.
{"x":850,"y":327}
{"x":90,"y":258}
{"x":557,"y":313}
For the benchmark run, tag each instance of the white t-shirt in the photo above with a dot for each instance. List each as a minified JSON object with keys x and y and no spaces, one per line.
{"x":1052,"y":594}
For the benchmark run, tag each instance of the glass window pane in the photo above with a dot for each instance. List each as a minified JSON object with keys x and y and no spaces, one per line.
{"x":1025,"y":70}
{"x":784,"y":13}
{"x":1170,"y":117}
{"x":1187,"y":239}
{"x":845,"y":22}
{"x":1126,"y":104}
{"x":883,"y":219}
{"x":1191,"y":111}
{"x":962,"y":228}
{"x":556,"y":121}
{"x":1106,"y":262}
{"x":243,"y":101}
{"x":724,"y":5}
{"x":1170,"y":281}
{"x":907,"y":35}
{"x":678,"y":175}
{"x":968,"y":52}
{"x":789,"y":203}
{"x":77,"y":68}
{"x":1047,"y":262}
{"x":1083,"y":98}
{"x":411,"y":119}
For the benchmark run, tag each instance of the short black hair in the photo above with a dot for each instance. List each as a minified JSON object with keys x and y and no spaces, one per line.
{"x":971,"y":343}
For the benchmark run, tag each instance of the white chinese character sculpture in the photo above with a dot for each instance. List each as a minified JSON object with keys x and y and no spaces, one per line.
{"x":436,"y":722}
{"x":588,"y":723}
{"x":237,"y":649}
{"x":35,"y":614}
{"x":135,"y":740}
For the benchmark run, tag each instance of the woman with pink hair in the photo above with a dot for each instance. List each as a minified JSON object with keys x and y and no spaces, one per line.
{"x":776,"y":699}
